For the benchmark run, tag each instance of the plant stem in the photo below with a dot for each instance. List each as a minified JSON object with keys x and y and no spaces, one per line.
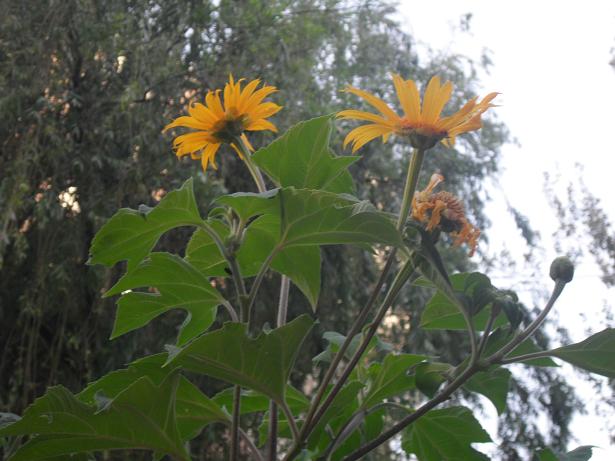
{"x":282,"y":306}
{"x":532,"y":327}
{"x":483,"y":339}
{"x":354,"y":329}
{"x":399,"y":282}
{"x":252,"y":168}
{"x":412,"y":178}
{"x":273,"y":408}
{"x":437,"y":400}
{"x":414,"y":169}
{"x":235,"y":424}
{"x":524,"y":357}
{"x":291,"y":420}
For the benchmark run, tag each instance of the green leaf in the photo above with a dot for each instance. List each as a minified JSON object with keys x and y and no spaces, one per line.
{"x":261,"y":237}
{"x":445,"y":435}
{"x":140,"y":417}
{"x":583,"y":453}
{"x":253,"y":402}
{"x":204,"y":254}
{"x":302,"y":158}
{"x":249,"y":204}
{"x":262,"y":364}
{"x":390,"y":378}
{"x":194,"y":410}
{"x":312,"y":217}
{"x":493,"y":384}
{"x":429,"y":377}
{"x":130,"y":234}
{"x":343,"y":406}
{"x":441,"y":312}
{"x":594,"y":354}
{"x":300,"y":263}
{"x":179,"y":285}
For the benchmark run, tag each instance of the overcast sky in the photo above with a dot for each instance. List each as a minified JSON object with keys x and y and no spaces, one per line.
{"x":551,"y":64}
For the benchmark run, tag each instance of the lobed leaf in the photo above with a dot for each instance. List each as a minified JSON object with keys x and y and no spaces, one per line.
{"x":179,"y":286}
{"x":446,"y":434}
{"x":262,"y":363}
{"x":142,"y":416}
{"x":390,"y":378}
{"x":302,"y":158}
{"x":130,"y":234}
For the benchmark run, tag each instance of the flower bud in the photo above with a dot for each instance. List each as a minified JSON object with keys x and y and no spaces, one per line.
{"x":562,"y":269}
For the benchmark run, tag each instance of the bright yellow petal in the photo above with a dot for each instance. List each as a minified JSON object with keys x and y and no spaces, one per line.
{"x":245,"y":95}
{"x":264,"y":110}
{"x":187,"y":122}
{"x":363,"y":134}
{"x":202,"y":113}
{"x":256,"y":98}
{"x":351,"y":114}
{"x":436,"y":97}
{"x":408,"y":98}
{"x":213,"y":103}
{"x":244,"y":138}
{"x":260,"y":125}
{"x":376,"y":102}
{"x":209,"y":156}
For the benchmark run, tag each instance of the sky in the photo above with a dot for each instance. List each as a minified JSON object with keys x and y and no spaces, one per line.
{"x":551,"y":64}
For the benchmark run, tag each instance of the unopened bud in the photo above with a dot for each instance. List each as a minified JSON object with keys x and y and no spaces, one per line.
{"x":562,"y":269}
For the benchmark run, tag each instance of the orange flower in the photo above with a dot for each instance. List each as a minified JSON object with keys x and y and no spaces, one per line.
{"x":217,"y":123}
{"x":443,"y":211}
{"x":423,"y":126}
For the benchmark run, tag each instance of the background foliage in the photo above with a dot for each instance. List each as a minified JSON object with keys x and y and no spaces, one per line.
{"x":85,"y":89}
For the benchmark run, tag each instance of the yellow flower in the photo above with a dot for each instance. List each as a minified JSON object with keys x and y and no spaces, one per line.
{"x":445,"y":212}
{"x":423,"y":126}
{"x":217,"y":123}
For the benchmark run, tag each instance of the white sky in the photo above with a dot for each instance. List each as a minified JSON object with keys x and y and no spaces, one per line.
{"x":551,"y":64}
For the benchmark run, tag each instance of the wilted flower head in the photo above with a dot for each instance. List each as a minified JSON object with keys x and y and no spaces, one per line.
{"x":443,"y":211}
{"x":224,"y":121}
{"x":422,"y":125}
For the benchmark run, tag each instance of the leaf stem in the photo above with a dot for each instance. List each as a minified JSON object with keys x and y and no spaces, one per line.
{"x":291,"y":420}
{"x":483,"y":339}
{"x":524,"y":357}
{"x":532,"y":327}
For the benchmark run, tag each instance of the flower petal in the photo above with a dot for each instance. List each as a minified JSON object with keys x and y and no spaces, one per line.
{"x":376,"y":102}
{"x":408,"y":98}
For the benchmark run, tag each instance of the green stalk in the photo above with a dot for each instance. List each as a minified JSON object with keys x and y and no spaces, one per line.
{"x":252,"y":168}
{"x":414,"y":170}
{"x":412,"y":177}
{"x":282,"y":306}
